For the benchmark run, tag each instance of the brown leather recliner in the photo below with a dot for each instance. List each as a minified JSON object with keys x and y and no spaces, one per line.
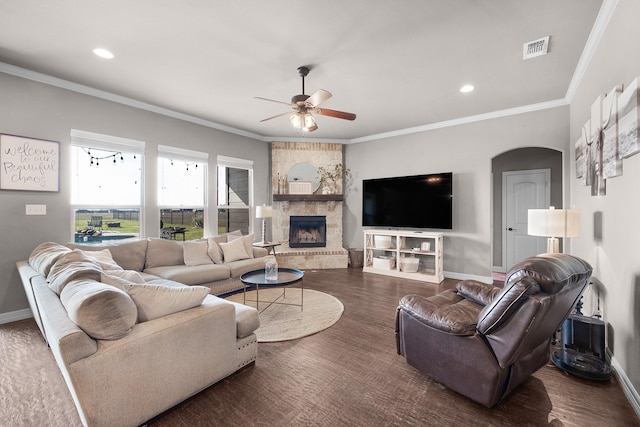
{"x":482,"y":341}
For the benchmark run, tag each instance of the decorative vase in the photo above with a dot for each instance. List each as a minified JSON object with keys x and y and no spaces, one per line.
{"x":271,"y":269}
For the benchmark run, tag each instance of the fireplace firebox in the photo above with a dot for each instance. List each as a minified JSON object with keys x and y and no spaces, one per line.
{"x":308,"y":231}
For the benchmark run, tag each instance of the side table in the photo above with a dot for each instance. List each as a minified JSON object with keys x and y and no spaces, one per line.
{"x":270,"y":247}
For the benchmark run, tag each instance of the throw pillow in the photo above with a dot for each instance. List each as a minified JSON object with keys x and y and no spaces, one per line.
{"x":155,"y":301}
{"x":115,"y":281}
{"x":102,"y":311}
{"x":234,"y":250}
{"x":233,"y":233}
{"x":125,"y":275}
{"x":214,"y":251}
{"x":72,"y":266}
{"x":45,"y":255}
{"x":196,"y":253}
{"x":102,"y":257}
{"x":247,"y":240}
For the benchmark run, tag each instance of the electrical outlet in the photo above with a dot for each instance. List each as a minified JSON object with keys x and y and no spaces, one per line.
{"x":36,"y":209}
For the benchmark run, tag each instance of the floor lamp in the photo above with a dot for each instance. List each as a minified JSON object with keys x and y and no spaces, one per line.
{"x":264,"y":212}
{"x":553,"y":223}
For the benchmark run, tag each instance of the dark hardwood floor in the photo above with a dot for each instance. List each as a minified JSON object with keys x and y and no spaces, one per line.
{"x":350,"y":375}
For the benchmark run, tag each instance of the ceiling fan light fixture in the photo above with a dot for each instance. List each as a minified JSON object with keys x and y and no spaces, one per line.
{"x":310,"y":128}
{"x":296,"y":120}
{"x":309,"y":121}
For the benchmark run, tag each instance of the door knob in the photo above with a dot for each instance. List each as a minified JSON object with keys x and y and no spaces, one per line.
{"x":510,"y":229}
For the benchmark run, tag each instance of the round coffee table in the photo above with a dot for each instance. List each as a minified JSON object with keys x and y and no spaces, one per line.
{"x":286,"y":276}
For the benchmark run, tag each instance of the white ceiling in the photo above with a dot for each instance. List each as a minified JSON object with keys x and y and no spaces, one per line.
{"x":396,"y":64}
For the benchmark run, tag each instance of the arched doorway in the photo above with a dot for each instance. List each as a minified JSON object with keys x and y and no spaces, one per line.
{"x":520,"y":159}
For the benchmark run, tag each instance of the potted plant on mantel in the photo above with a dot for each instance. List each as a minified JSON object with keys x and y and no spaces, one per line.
{"x":331,"y":177}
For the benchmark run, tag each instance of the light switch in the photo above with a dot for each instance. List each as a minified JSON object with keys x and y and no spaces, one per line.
{"x":36,"y":209}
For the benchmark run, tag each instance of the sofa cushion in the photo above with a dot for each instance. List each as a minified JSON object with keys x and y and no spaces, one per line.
{"x":238,"y":268}
{"x":155,"y":301}
{"x":195,"y":253}
{"x":260,"y":252}
{"x":102,"y":311}
{"x":446,"y":311}
{"x":197,"y":275}
{"x":247,"y":319}
{"x":128,"y":254}
{"x":162,"y":252}
{"x":45,"y":255}
{"x":234,"y":250}
{"x":102,"y":257}
{"x":247,"y":240}
{"x":72,"y":266}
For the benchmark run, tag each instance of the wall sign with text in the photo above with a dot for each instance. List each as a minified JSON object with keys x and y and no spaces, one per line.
{"x":29,"y":164}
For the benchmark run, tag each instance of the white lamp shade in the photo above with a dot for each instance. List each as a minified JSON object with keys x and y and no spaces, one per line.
{"x":264,"y":211}
{"x":554,"y":222}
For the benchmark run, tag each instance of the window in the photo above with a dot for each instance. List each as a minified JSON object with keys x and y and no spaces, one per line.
{"x":106,"y":187}
{"x":235,"y":194}
{"x":181,"y":191}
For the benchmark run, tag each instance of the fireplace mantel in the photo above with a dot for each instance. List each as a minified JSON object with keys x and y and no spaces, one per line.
{"x":308,"y":197}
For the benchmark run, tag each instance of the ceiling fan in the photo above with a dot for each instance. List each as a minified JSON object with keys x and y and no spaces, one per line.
{"x":303,"y":105}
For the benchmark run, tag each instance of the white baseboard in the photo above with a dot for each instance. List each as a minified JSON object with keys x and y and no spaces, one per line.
{"x":14,"y":316}
{"x":460,"y":276}
{"x":627,"y":387}
{"x":498,"y":269}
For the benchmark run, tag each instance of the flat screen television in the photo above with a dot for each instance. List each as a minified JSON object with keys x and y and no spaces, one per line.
{"x":419,"y":201}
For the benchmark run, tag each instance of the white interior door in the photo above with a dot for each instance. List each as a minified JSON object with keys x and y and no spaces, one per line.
{"x":521,"y":191}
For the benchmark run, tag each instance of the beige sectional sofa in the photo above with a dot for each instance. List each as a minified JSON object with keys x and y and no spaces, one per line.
{"x":201,"y":262}
{"x":131,"y":344}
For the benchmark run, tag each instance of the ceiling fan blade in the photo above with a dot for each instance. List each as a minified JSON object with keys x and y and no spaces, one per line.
{"x":318,"y":97}
{"x":335,"y":113}
{"x":273,"y":117}
{"x":272,"y":100}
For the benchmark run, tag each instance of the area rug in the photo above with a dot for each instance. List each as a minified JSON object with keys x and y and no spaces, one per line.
{"x":288,"y":322}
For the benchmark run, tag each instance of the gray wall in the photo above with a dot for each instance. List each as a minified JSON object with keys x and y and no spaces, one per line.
{"x":467,"y":151}
{"x":32,"y":109}
{"x":610,"y":230}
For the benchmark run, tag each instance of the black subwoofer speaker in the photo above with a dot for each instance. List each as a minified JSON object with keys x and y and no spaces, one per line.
{"x":582,"y":349}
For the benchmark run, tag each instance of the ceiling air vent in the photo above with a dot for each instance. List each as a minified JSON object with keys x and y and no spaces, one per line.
{"x":535,"y":48}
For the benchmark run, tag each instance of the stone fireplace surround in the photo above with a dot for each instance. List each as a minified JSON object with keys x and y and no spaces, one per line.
{"x":283,"y":156}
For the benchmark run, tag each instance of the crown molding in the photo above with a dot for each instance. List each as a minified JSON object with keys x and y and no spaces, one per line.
{"x":305,"y":139}
{"x":599,"y":26}
{"x":465,"y":120}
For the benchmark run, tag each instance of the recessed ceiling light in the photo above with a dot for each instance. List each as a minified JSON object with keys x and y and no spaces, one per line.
{"x":467,"y":88}
{"x":103,"y":53}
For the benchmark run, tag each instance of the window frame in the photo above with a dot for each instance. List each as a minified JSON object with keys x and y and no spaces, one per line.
{"x":189,"y":157}
{"x":80,"y":138}
{"x":236,"y":163}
